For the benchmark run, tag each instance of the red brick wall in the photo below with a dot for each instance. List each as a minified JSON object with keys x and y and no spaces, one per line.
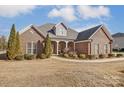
{"x":81,"y":47}
{"x":29,"y":36}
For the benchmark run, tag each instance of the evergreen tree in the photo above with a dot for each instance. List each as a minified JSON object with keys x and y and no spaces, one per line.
{"x":11,"y":48}
{"x":48,"y":48}
{"x":18,"y":48}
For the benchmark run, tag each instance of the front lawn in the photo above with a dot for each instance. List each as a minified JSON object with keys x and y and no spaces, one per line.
{"x":52,"y":72}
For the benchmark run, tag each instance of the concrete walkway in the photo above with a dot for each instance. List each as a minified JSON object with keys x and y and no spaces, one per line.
{"x":92,"y":61}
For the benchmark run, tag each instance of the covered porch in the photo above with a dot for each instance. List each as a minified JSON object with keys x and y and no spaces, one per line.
{"x":59,"y":46}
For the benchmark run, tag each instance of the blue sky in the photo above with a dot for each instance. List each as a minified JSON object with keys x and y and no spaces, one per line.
{"x":76,"y":17}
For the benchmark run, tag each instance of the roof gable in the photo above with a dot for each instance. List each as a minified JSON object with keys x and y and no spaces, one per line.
{"x":107,"y":33}
{"x":60,"y":29}
{"x":49,"y":28}
{"x":71,"y":34}
{"x":25,"y":29}
{"x":29,"y":27}
{"x":62,"y":25}
{"x":86,"y":34}
{"x":89,"y":33}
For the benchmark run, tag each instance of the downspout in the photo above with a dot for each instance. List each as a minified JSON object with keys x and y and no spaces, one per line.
{"x":90,"y":45}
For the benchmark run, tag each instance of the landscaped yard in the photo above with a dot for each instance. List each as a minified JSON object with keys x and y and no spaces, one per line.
{"x":52,"y":72}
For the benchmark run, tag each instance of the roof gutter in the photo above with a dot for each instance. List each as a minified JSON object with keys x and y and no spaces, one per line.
{"x":83,"y":41}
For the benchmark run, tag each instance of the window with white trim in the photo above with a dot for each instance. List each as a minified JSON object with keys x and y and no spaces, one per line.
{"x":105,"y":48}
{"x":34,"y":48}
{"x":96,"y":48}
{"x":31,"y":48}
{"x":61,"y":31}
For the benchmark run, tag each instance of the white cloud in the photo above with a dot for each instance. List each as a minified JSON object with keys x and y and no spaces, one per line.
{"x":71,"y":13}
{"x":67,"y":13}
{"x":13,"y":10}
{"x":88,"y":12}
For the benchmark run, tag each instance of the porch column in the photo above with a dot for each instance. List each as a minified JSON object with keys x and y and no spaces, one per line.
{"x":66,"y":44}
{"x":74,"y":46}
{"x":57,"y":44}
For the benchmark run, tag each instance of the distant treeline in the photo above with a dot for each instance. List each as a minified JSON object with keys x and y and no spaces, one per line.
{"x":3,"y":43}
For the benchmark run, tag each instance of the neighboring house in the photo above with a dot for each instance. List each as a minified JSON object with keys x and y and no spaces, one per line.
{"x":93,"y":41}
{"x":118,"y":41}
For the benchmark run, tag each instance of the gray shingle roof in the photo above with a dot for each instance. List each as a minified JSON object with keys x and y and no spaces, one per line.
{"x":86,"y":34}
{"x":71,"y":34}
{"x":118,"y":35}
{"x":44,"y":29}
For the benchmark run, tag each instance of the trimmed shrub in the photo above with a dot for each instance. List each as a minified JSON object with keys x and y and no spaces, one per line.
{"x":65,"y":51}
{"x":19,"y":57}
{"x":82,"y":56}
{"x":43,"y":56}
{"x":91,"y":56}
{"x":75,"y":56}
{"x":48,"y":47}
{"x":102,"y":56}
{"x":71,"y":54}
{"x":66,"y":55}
{"x":61,"y":54}
{"x":111,"y":55}
{"x":119,"y":55}
{"x":38,"y":56}
{"x":29,"y":56}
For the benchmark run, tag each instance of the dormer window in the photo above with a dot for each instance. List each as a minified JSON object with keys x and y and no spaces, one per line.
{"x":61,"y":30}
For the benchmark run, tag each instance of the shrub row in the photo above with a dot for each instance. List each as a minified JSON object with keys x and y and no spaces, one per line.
{"x":80,"y":56}
{"x":73,"y":55}
{"x":30,"y":57}
{"x":118,"y":50}
{"x":25,"y":56}
{"x":115,"y":55}
{"x":19,"y":57}
{"x":42,"y":56}
{"x":84,"y":56}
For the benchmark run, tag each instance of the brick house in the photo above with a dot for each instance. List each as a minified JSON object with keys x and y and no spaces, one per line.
{"x":118,"y":41}
{"x":93,"y":41}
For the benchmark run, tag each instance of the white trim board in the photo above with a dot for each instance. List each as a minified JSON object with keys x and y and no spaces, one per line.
{"x":25,"y":29}
{"x":83,"y":41}
{"x":105,"y":30}
{"x":95,"y":32}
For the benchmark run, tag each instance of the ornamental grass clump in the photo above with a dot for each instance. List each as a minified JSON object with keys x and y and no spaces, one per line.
{"x":82,"y":56}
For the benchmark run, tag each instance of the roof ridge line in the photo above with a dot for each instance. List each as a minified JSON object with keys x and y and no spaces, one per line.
{"x":91,"y":27}
{"x":25,"y":28}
